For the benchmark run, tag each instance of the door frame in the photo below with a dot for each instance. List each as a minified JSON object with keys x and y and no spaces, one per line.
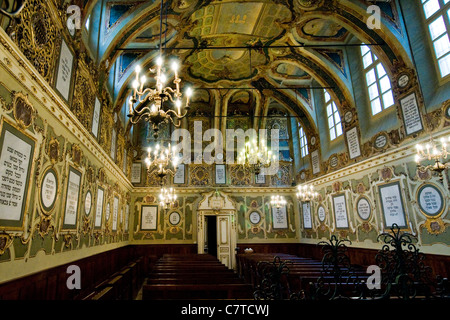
{"x":227,"y":209}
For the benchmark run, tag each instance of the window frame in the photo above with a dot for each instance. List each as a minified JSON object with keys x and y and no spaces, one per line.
{"x":373,"y":67}
{"x":334,"y":110}
{"x":304,"y":151}
{"x":444,"y":12}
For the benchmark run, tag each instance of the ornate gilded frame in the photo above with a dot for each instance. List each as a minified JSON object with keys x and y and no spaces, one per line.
{"x":7,"y":125}
{"x":64,"y":226}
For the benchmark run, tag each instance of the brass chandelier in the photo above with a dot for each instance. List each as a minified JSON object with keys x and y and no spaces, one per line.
{"x":255,"y":158}
{"x":277,"y":201}
{"x":167,"y":198}
{"x":431,"y":152}
{"x":162,"y":159}
{"x":153,"y":104}
{"x":306,"y":193}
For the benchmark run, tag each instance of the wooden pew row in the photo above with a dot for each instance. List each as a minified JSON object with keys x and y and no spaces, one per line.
{"x":206,"y":280}
{"x":303,"y":273}
{"x":121,"y":285}
{"x":193,"y":277}
{"x":184,"y":275}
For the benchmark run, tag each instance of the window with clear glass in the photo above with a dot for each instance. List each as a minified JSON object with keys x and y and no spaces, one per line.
{"x":303,"y":142}
{"x":437,"y":16}
{"x":377,"y":81}
{"x":334,"y":119}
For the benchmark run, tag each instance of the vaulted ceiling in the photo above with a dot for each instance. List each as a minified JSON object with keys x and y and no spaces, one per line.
{"x":279,"y":49}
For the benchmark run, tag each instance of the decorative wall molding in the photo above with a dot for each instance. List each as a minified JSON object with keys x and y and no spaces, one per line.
{"x":15,"y":63}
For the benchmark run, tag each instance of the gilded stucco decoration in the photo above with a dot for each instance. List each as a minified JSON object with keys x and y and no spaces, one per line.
{"x":24,"y":113}
{"x":36,"y":35}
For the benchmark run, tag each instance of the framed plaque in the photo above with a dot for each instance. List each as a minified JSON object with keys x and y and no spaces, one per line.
{"x":306,"y":210}
{"x":127,"y":217}
{"x":49,"y":190}
{"x":180,"y":174}
{"x":279,"y":218}
{"x":431,"y":200}
{"x":107,"y":211}
{"x":381,"y":141}
{"x":260,"y":178}
{"x":321,"y":213}
{"x":96,"y":118}
{"x":115,"y":213}
{"x":88,"y":203}
{"x":113,"y":144}
{"x":340,"y":211}
{"x":221,"y":174}
{"x":315,"y":162}
{"x":354,"y":149}
{"x":136,"y":170}
{"x":254,"y":217}
{"x":174,"y":218}
{"x":149,"y":217}
{"x":411,"y":114}
{"x":64,"y":71}
{"x":99,"y":208}
{"x":363,"y":208}
{"x":125,"y":162}
{"x":392,"y":204}
{"x":16,"y":161}
{"x":72,"y":199}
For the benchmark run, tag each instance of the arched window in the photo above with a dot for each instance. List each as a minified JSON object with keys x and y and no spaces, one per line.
{"x":303,"y":142}
{"x":437,"y":16}
{"x":334,"y":119}
{"x":377,"y":81}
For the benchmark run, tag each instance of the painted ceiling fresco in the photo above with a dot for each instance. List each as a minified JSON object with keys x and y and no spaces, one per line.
{"x":260,"y":45}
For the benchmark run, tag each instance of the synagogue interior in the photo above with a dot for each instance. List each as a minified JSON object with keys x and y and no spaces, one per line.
{"x":224,"y":150}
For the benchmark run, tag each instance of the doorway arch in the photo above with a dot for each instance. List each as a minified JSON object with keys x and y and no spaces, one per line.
{"x":218,"y":204}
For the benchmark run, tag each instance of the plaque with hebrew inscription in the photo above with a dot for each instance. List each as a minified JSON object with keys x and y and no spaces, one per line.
{"x":340,"y":211}
{"x":279,"y":218}
{"x":49,"y":190}
{"x":72,"y":199}
{"x":127,"y":217}
{"x":411,"y":114}
{"x":115,"y":213}
{"x":221,"y":177}
{"x":363,"y":208}
{"x":392,"y":204}
{"x":149,"y":218}
{"x":96,"y":118}
{"x":431,"y":200}
{"x":354,"y":148}
{"x":180,"y":177}
{"x":64,"y":71}
{"x":17,"y":151}
{"x":306,"y":210}
{"x":321,"y":213}
{"x":99,"y":208}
